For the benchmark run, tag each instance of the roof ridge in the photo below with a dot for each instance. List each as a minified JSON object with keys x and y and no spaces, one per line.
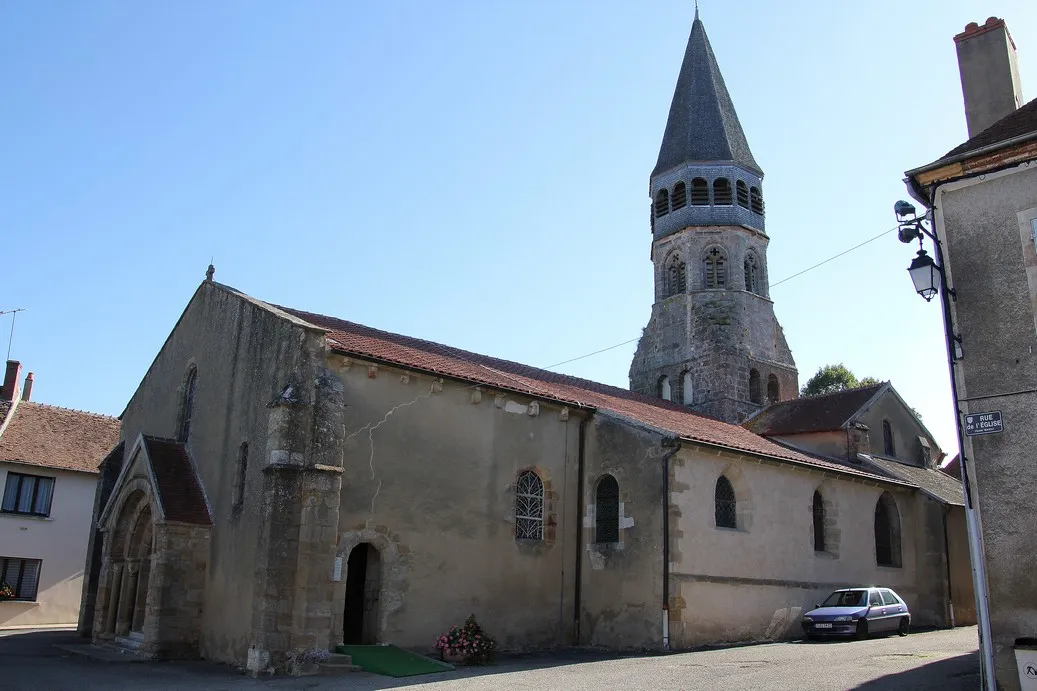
{"x":835,"y":393}
{"x":71,"y":410}
{"x":528,"y":371}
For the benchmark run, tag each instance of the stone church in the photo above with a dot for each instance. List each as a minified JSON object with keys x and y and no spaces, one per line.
{"x":288,"y":481}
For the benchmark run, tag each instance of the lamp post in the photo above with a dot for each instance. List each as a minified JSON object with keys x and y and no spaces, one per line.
{"x":929,"y":280}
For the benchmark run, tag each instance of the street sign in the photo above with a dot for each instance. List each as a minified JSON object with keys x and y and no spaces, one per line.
{"x":984,"y":423}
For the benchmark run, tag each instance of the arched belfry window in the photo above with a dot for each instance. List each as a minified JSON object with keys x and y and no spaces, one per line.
{"x":725,"y":508}
{"x":529,"y":507}
{"x":715,"y":269}
{"x":752,"y":273}
{"x":183,"y":425}
{"x":662,"y":203}
{"x":819,"y":522}
{"x":755,"y":390}
{"x":887,"y":531}
{"x":756,"y":200}
{"x":680,"y":196}
{"x":687,"y":393}
{"x":606,"y":511}
{"x":773,"y":389}
{"x":742,"y":190}
{"x":722,"y":192}
{"x":676,"y":276}
{"x":888,"y":444}
{"x":699,"y":192}
{"x":665,"y":392}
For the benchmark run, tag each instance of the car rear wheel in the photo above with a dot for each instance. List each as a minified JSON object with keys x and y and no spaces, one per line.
{"x":905,"y":627}
{"x":862,"y":629}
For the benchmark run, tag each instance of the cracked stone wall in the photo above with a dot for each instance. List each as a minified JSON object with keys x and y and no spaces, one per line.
{"x":754,"y":581}
{"x":244,"y":356}
{"x":429,"y":480}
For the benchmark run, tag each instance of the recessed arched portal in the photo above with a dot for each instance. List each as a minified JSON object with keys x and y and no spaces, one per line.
{"x":363,"y":583}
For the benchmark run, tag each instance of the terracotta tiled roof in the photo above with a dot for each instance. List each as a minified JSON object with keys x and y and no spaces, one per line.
{"x":1015,"y":124}
{"x":813,"y":414}
{"x":178,"y":488}
{"x":427,"y":356}
{"x":53,"y":437}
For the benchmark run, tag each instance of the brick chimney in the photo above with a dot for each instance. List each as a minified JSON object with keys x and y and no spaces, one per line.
{"x":27,"y":387}
{"x":989,"y":73}
{"x":10,"y":389}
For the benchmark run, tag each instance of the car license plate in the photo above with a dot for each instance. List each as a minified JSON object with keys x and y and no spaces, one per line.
{"x":822,"y":626}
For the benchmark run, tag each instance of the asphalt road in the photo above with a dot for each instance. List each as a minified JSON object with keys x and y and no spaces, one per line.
{"x":944,"y":660}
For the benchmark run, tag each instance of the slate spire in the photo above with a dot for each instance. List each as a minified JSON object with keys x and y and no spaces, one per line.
{"x":702,"y":125}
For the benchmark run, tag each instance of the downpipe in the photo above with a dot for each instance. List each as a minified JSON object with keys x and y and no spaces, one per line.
{"x":674,"y":444}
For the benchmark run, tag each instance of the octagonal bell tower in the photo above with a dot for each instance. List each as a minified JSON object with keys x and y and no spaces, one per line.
{"x":712,"y":342}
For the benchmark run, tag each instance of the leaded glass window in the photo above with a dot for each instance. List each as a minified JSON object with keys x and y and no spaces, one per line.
{"x":726,"y":509}
{"x":529,"y":507}
{"x":606,"y":517}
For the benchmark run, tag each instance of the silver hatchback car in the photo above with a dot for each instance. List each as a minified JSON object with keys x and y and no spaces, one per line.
{"x":858,"y":612}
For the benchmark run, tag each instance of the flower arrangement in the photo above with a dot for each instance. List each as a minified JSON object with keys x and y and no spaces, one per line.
{"x":6,"y":591}
{"x":468,"y":644}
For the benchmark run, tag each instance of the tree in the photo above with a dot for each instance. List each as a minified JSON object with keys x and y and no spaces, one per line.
{"x":833,"y":378}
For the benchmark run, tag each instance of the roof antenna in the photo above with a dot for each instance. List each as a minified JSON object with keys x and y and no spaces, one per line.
{"x":210,"y":272}
{"x":14,"y":315}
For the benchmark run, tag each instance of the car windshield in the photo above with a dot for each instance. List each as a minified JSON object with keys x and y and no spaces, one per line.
{"x":847,"y":598}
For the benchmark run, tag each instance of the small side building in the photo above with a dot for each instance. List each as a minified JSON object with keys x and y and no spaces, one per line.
{"x":48,"y":471}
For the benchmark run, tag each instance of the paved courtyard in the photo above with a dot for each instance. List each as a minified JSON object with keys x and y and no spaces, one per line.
{"x":944,"y":660}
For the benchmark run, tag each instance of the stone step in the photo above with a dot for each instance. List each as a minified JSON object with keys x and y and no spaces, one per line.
{"x":331,"y":666}
{"x":339,"y":659}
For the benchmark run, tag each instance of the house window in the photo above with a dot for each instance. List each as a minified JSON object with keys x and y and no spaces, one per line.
{"x":819,"y":522}
{"x":887,"y":531}
{"x":187,"y":406}
{"x":887,"y":439}
{"x":28,"y":494}
{"x":756,"y":200}
{"x":680,"y":196}
{"x":239,"y":487}
{"x":665,"y":392}
{"x":742,"y":190}
{"x":23,"y":575}
{"x":722,"y":192}
{"x":606,"y":516}
{"x":716,"y":269}
{"x":662,"y":203}
{"x":755,"y":392}
{"x":529,"y":507}
{"x":773,"y":389}
{"x":725,"y":507}
{"x":699,"y":192}
{"x":686,"y":388}
{"x":676,"y":276}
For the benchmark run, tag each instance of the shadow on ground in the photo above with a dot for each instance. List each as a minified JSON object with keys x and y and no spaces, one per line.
{"x":949,"y":674}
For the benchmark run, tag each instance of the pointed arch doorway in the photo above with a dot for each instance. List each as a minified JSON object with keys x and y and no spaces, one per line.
{"x":363,"y":583}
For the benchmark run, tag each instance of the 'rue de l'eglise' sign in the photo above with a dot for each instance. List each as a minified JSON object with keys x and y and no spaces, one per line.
{"x":984,"y":423}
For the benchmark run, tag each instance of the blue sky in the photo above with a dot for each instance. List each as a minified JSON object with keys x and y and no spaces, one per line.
{"x":468,"y":172}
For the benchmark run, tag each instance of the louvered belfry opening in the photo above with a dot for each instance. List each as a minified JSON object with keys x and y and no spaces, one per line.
{"x":742,"y":190}
{"x":726,"y":513}
{"x":677,"y":277}
{"x":756,"y":200}
{"x":699,"y":192}
{"x":679,"y":199}
{"x":606,"y":517}
{"x":755,"y":392}
{"x":722,"y":192}
{"x":716,"y":269}
{"x":662,"y":203}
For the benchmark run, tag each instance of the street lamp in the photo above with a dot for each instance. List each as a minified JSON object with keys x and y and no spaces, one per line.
{"x":929,"y":278}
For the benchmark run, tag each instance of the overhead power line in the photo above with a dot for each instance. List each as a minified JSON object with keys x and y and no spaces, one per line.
{"x":787,"y":278}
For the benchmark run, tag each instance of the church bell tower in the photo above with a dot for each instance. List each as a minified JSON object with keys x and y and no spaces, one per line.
{"x":712,"y":342}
